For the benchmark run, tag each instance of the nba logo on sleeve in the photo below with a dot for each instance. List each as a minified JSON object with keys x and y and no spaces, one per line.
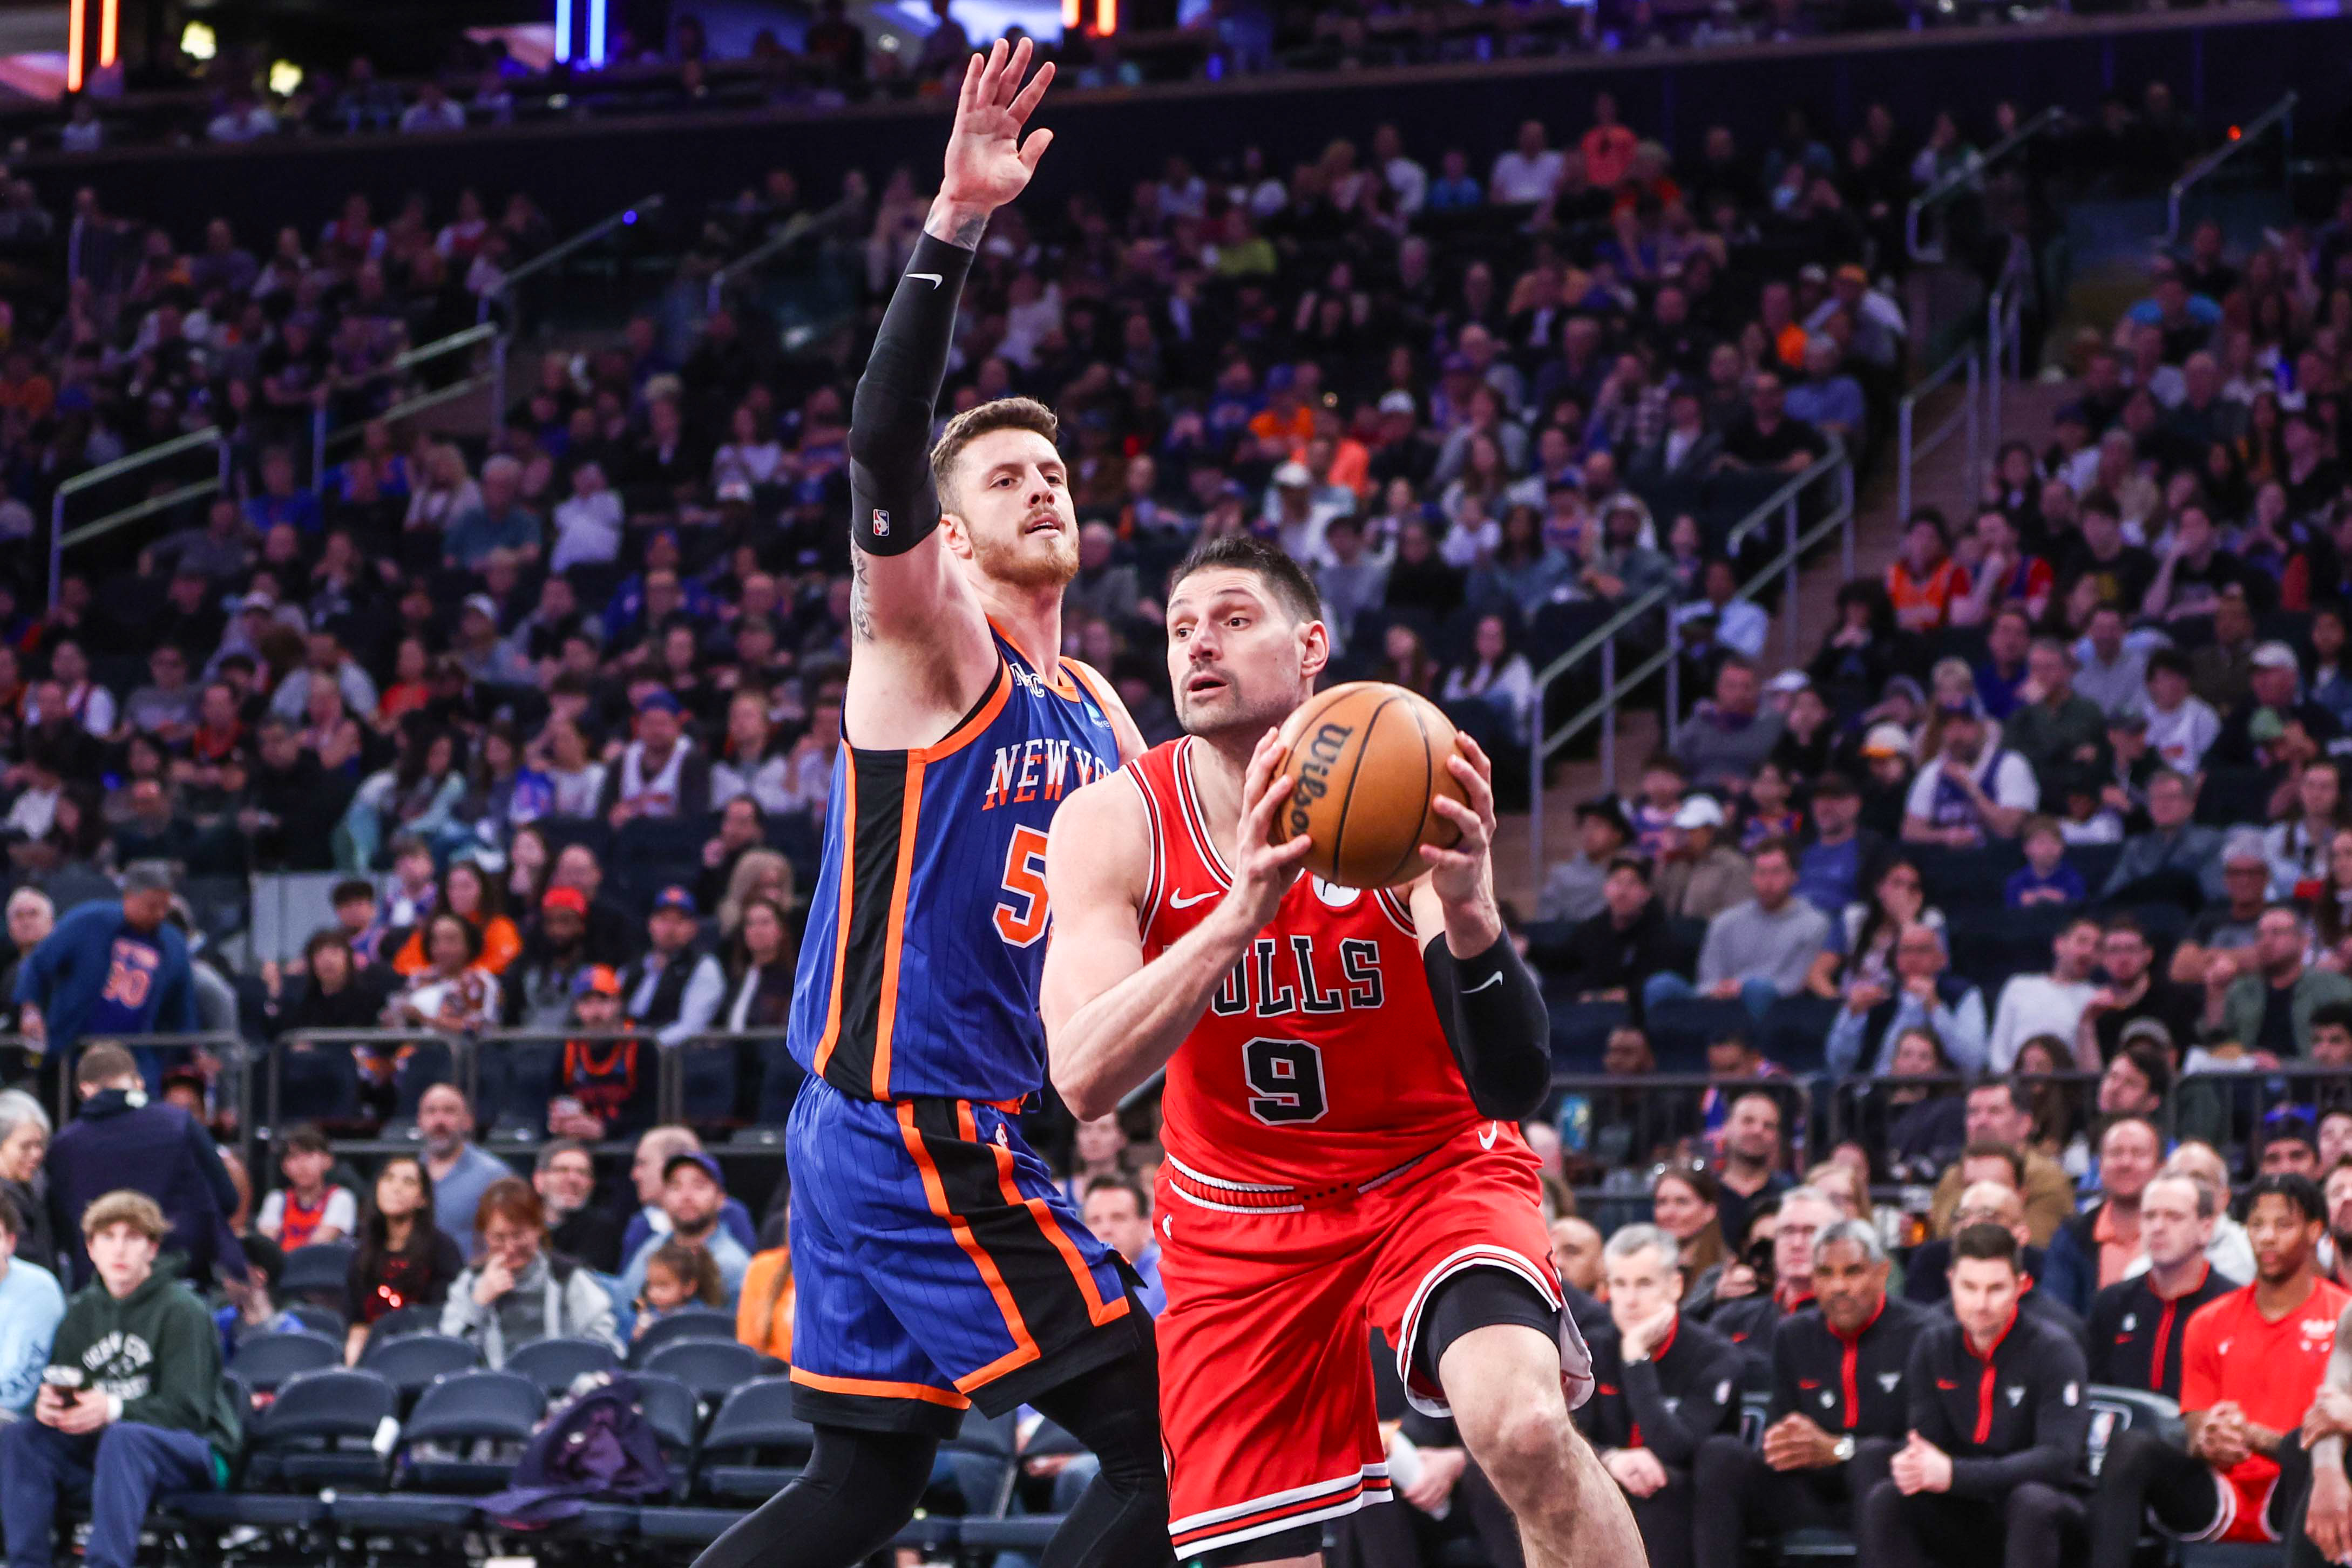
{"x":881,"y":524}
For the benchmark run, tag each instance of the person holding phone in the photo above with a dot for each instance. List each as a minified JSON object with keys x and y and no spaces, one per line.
{"x":132,"y":1404}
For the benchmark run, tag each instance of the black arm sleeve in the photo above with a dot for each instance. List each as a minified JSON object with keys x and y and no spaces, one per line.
{"x":893,"y":507}
{"x":1494,"y":1020}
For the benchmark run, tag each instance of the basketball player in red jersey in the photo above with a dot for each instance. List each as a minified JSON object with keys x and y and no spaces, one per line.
{"x":1344,"y":1073}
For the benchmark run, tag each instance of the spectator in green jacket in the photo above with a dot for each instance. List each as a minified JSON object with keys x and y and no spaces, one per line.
{"x":132,"y":1404}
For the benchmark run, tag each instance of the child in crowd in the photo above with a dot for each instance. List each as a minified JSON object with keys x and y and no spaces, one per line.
{"x":677,"y":1275}
{"x":2045,"y":878}
{"x":1767,"y":812}
{"x":309,"y":1209}
{"x":1663,"y":780}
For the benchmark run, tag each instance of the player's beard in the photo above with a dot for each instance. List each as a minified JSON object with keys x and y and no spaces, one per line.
{"x":1026,"y":561}
{"x":1227,"y":711}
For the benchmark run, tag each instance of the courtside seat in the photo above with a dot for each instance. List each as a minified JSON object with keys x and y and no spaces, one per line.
{"x":264,"y":1363}
{"x":556,"y":1363}
{"x":436,"y":1492}
{"x":755,"y":1444}
{"x":412,"y":1363}
{"x":713,"y":1369}
{"x":691,"y":1322}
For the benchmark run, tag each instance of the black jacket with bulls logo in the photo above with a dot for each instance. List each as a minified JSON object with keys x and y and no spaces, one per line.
{"x":2136,"y":1335}
{"x":1844,"y":1384}
{"x":1686,"y":1392}
{"x":2018,"y":1415}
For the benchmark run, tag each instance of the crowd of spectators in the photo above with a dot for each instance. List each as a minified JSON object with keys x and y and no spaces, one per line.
{"x":2048,"y":843}
{"x":664,"y":63}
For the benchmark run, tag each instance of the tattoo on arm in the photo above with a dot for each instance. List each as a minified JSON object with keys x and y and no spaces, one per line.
{"x":967,"y":232}
{"x":861,"y":613}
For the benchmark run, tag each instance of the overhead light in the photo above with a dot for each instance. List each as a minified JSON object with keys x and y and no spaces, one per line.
{"x":285,"y":77}
{"x":198,"y":42}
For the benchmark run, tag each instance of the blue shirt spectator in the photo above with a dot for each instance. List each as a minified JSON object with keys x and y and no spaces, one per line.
{"x":113,"y":969}
{"x":31,"y":1303}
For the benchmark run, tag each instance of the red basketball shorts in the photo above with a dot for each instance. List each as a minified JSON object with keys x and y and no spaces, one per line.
{"x":1266,"y":1402}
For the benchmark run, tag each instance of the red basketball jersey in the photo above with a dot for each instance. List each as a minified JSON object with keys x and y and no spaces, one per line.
{"x":1320,"y":1063}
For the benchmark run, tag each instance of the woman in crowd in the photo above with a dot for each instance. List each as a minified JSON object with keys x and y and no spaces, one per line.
{"x":2331,"y":907}
{"x":403,"y":1259}
{"x":518,"y":1290}
{"x":1683,"y":1203}
{"x":1927,"y":1124}
{"x":2057,"y":1114}
{"x":418,"y":794}
{"x":471,"y":893}
{"x":1496,"y":676}
{"x":2298,"y":845}
{"x":1862,"y":945}
{"x":453,"y":991}
{"x":1405,"y":661}
{"x":23,"y":1143}
{"x":758,"y":874}
{"x":751,"y":761}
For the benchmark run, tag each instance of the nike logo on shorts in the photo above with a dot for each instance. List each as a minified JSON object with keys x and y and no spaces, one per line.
{"x":1178,"y":901}
{"x":1486,"y":1138}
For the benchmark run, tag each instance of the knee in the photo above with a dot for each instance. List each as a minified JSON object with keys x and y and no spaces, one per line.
{"x":2034,"y":1507}
{"x":1663,"y":986}
{"x":1520,"y":1439}
{"x":1882,"y":1510}
{"x":2131,"y":1458}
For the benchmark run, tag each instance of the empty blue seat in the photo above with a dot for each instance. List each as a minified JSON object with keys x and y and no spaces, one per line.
{"x":556,"y":1363}
{"x":461,"y":1413}
{"x":755,"y":1443}
{"x":318,"y":1272}
{"x":413,"y":1363}
{"x":713,"y":1369}
{"x":691,"y":1323}
{"x":270,"y":1360}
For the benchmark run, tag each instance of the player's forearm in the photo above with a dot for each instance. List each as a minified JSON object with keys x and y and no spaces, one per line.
{"x":890,"y":417}
{"x":1111,"y":1045}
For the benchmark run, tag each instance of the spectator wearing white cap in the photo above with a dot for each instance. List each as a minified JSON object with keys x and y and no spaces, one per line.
{"x":1969,"y":792}
{"x":1700,"y":874}
{"x":479,"y":650}
{"x":1300,"y":506}
{"x":2273,"y":726}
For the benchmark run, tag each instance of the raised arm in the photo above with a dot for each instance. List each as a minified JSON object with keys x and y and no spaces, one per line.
{"x":909,"y":596}
{"x":1112,"y":1019}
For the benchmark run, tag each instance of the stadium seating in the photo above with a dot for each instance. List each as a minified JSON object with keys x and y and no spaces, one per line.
{"x":556,"y":1363}
{"x":685,"y":1324}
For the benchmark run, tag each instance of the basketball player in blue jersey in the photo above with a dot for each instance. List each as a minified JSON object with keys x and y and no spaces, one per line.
{"x":937,"y":1264}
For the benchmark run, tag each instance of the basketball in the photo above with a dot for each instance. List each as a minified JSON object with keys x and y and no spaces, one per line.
{"x":1366,"y":759}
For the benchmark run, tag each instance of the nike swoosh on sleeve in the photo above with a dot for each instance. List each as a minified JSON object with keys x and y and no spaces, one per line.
{"x":1494,"y":979}
{"x":933,"y":279}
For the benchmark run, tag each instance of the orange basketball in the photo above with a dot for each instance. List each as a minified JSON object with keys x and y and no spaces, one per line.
{"x":1366,"y":759}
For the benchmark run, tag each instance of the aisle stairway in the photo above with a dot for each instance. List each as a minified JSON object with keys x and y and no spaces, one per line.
{"x":1941,"y":481}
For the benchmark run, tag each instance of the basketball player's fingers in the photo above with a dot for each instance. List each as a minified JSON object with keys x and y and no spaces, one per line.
{"x":1478,"y":786}
{"x":1258,"y":815}
{"x":1475,"y":753}
{"x":989,"y":74}
{"x":1008,"y":82}
{"x":1264,"y":759}
{"x":1035,"y":148}
{"x":1478,"y":827}
{"x":1025,"y":103}
{"x":973,"y":68}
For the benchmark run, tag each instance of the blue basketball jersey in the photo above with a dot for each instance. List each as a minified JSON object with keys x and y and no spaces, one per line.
{"x":927,"y":931}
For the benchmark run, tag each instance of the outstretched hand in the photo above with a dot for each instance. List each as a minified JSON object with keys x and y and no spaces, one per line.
{"x":988,"y":162}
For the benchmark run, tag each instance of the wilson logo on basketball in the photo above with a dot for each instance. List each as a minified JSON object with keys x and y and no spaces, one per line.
{"x":1323,"y":753}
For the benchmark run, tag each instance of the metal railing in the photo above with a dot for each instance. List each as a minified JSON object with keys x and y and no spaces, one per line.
{"x":130,"y":462}
{"x":1602,"y":640}
{"x":1911,"y":448}
{"x":796,"y":228}
{"x":504,"y":289}
{"x":2005,"y":334}
{"x":456,"y":343}
{"x":62,"y":538}
{"x":1967,"y":177}
{"x":2280,"y":114}
{"x":406,"y":1062}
